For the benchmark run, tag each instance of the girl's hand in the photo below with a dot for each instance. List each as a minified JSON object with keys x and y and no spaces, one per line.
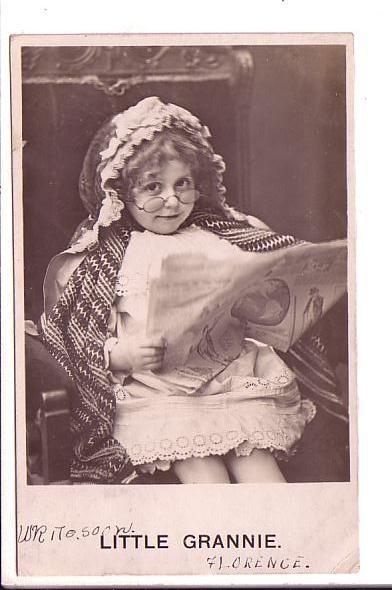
{"x":138,"y":354}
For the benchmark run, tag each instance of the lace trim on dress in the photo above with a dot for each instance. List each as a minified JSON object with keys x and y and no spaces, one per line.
{"x":255,"y":383}
{"x":278,"y":436}
{"x":138,"y":283}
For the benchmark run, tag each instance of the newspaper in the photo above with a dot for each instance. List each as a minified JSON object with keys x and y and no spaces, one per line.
{"x":205,"y":308}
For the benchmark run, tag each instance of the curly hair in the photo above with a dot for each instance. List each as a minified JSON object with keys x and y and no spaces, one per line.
{"x":167,"y":145}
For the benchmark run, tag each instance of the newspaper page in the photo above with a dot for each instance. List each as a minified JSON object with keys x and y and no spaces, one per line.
{"x":279,"y":110}
{"x":204,"y":308}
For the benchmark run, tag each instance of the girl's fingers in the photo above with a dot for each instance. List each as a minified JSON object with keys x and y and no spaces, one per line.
{"x":153,"y":356}
{"x":150,"y":352}
{"x":152,"y":361}
{"x":152,"y":366}
{"x":154,"y":342}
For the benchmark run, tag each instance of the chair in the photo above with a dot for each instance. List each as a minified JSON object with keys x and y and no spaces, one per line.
{"x":48,"y":391}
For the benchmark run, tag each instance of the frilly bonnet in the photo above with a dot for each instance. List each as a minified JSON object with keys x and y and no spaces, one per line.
{"x":115,"y":143}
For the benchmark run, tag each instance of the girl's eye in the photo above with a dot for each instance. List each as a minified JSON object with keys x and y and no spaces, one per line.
{"x":153,"y":188}
{"x":184,"y":183}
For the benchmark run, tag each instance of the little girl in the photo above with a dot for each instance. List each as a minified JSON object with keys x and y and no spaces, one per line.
{"x":153,"y":187}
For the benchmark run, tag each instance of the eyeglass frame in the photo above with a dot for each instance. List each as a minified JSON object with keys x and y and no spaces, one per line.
{"x":164,"y":200}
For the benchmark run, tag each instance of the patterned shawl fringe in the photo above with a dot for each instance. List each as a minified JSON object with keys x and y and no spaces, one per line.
{"x":76,"y":329}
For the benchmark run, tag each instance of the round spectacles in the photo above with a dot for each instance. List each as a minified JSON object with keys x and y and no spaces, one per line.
{"x":186,"y":197}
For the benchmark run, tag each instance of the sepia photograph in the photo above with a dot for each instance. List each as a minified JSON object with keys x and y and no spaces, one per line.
{"x":182,"y":235}
{"x":135,"y":154}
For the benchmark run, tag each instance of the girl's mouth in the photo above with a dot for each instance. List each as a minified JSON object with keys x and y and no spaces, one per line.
{"x":168,"y":217}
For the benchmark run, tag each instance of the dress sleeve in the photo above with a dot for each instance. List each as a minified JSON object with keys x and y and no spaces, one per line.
{"x":58,"y":273}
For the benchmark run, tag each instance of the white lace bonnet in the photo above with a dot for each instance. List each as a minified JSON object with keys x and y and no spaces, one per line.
{"x":124,"y":134}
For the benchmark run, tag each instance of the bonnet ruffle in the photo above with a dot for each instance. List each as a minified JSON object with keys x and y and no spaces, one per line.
{"x":115,"y":143}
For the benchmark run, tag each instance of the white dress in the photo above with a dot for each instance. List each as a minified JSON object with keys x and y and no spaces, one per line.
{"x":165,"y":416}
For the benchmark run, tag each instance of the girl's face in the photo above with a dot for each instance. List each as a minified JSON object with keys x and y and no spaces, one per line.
{"x":163,"y":199}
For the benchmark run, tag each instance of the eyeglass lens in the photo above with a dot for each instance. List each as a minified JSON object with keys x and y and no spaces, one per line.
{"x":185,"y":197}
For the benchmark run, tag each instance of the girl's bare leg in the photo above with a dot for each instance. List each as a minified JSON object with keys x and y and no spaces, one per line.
{"x":259,"y":467}
{"x":201,"y":470}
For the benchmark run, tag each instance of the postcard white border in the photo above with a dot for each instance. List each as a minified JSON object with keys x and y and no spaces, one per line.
{"x":369,"y":25}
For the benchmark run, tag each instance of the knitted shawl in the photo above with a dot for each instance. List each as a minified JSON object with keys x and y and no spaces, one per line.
{"x":75,"y":331}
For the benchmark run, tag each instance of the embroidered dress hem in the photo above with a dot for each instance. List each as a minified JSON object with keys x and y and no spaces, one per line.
{"x":279,"y":442}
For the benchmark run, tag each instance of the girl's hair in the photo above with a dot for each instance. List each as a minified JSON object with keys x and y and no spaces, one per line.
{"x":167,"y":145}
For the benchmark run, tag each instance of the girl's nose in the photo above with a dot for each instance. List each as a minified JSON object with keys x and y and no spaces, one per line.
{"x":171,"y":201}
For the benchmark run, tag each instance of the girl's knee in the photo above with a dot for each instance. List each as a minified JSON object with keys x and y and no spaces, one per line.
{"x":258,"y":467}
{"x":201,"y":470}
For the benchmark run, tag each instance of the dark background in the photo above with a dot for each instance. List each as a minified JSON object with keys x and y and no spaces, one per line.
{"x":298,"y":140}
